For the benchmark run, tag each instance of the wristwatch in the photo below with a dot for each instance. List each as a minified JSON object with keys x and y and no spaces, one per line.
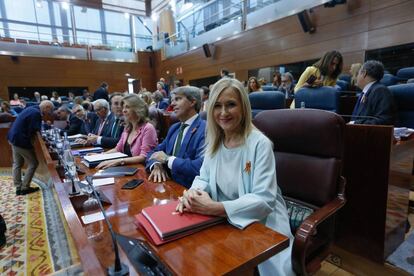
{"x":122,"y":162}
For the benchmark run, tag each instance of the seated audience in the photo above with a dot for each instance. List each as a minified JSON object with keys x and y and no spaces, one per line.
{"x":238,"y":178}
{"x":287,"y":85}
{"x":86,"y":95}
{"x":36,"y":97}
{"x":224,"y":73}
{"x":181,"y":153}
{"x":139,"y":136}
{"x":109,"y":126}
{"x":205,"y":91}
{"x":146,"y":97}
{"x":55,"y":97}
{"x":5,"y":107}
{"x":254,"y":85}
{"x":78,"y":100}
{"x":376,"y":101}
{"x":88,"y":118}
{"x":15,"y":100}
{"x":322,"y":73}
{"x":71,"y":96}
{"x":160,"y":88}
{"x":354,"y":70}
{"x":157,"y":101}
{"x":277,"y":79}
{"x":74,"y":124}
{"x":44,"y":98}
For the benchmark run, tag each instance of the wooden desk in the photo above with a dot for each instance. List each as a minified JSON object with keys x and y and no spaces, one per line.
{"x":379,"y":174}
{"x":218,"y":250}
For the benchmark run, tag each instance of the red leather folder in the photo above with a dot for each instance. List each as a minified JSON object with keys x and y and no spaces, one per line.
{"x":167,"y":222}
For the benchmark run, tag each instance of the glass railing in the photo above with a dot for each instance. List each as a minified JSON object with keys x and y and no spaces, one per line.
{"x":219,"y":19}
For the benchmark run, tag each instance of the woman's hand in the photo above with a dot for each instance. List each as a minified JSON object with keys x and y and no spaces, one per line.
{"x":198,"y":201}
{"x":108,"y":163}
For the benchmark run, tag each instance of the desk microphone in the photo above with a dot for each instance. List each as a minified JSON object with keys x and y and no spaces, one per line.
{"x":118,"y":268}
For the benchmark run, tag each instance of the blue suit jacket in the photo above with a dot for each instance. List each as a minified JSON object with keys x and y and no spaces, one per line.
{"x":379,"y":104}
{"x":187,"y":163}
{"x":89,"y":124}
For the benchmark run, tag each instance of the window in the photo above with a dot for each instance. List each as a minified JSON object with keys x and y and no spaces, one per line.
{"x":15,"y":11}
{"x":117,"y":23}
{"x":87,"y":19}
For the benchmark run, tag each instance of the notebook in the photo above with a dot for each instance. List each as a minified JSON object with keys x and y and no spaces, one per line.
{"x":167,"y":222}
{"x":82,"y":152}
{"x":116,"y":171}
{"x":92,"y":161}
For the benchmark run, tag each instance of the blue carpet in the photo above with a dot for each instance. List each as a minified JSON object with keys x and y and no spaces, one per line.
{"x":403,"y":257}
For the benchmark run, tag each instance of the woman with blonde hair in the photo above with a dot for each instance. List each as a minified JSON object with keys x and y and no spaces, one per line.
{"x":354,"y":70}
{"x":238,"y":178}
{"x":139,"y":136}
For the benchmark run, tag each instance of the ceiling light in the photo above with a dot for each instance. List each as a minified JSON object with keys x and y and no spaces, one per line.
{"x":126,"y":15}
{"x":186,"y":6}
{"x":154,"y":17}
{"x":39,"y":4}
{"x":65,"y":5}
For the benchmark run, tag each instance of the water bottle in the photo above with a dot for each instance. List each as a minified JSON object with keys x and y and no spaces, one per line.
{"x":66,"y":143}
{"x":302,"y":104}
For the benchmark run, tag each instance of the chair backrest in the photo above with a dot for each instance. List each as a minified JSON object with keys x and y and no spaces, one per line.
{"x":345,"y":77}
{"x":389,"y":79}
{"x":268,"y":100}
{"x":404,"y":99}
{"x":406,"y":73}
{"x":308,"y":147}
{"x":18,"y":109}
{"x":269,"y":88}
{"x":344,"y":85}
{"x":156,"y":117}
{"x":325,"y":98}
{"x":31,"y":104}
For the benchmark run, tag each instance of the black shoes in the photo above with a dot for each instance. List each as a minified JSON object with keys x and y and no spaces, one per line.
{"x":27,"y":191}
{"x":3,"y":229}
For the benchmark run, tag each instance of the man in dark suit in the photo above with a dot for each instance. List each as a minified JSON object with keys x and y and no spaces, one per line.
{"x":74,"y":124}
{"x":181,"y":152}
{"x":101,"y":92}
{"x":109,"y":126}
{"x":88,"y":118}
{"x":376,"y":101}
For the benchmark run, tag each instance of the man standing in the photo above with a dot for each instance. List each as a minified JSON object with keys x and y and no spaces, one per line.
{"x":375,"y":105}
{"x":181,"y":152}
{"x":101,"y":92}
{"x":21,"y":136}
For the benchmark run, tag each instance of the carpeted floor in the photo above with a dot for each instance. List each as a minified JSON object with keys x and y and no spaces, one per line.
{"x":38,"y":242}
{"x":403,"y":257}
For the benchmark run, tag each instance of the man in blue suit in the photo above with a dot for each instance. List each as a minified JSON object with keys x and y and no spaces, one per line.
{"x":375,"y":105}
{"x":181,"y":153}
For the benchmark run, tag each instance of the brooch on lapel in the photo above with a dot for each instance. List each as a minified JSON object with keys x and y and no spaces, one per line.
{"x":193,"y":130}
{"x":248,"y":167}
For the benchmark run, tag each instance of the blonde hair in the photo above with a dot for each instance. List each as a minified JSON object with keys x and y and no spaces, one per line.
{"x":215,"y":135}
{"x":138,"y":106}
{"x":355,"y":67}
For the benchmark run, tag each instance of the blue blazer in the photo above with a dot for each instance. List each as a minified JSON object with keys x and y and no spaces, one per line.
{"x":106,"y":130}
{"x":89,"y":124}
{"x":187,"y":163}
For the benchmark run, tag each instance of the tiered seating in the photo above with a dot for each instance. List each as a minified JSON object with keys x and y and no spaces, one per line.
{"x":268,"y":100}
{"x":325,"y":98}
{"x":404,"y":99}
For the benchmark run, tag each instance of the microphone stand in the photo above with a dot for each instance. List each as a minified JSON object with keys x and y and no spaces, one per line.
{"x":118,"y":268}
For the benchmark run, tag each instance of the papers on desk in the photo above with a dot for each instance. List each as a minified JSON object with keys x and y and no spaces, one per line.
{"x":402,"y":132}
{"x":92,"y":161}
{"x":82,"y":152}
{"x":101,"y":181}
{"x":87,"y":219}
{"x":77,"y":136}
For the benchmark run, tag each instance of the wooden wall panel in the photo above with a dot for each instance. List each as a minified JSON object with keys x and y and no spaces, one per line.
{"x":31,"y":71}
{"x":352,"y":29}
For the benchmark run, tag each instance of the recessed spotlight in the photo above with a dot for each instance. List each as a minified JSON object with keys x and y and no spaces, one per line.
{"x":65,"y":5}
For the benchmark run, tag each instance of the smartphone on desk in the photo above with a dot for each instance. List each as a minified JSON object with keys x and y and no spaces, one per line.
{"x":132,"y":184}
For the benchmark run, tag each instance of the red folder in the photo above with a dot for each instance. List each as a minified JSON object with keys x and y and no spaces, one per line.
{"x":168,"y":222}
{"x":170,"y":225}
